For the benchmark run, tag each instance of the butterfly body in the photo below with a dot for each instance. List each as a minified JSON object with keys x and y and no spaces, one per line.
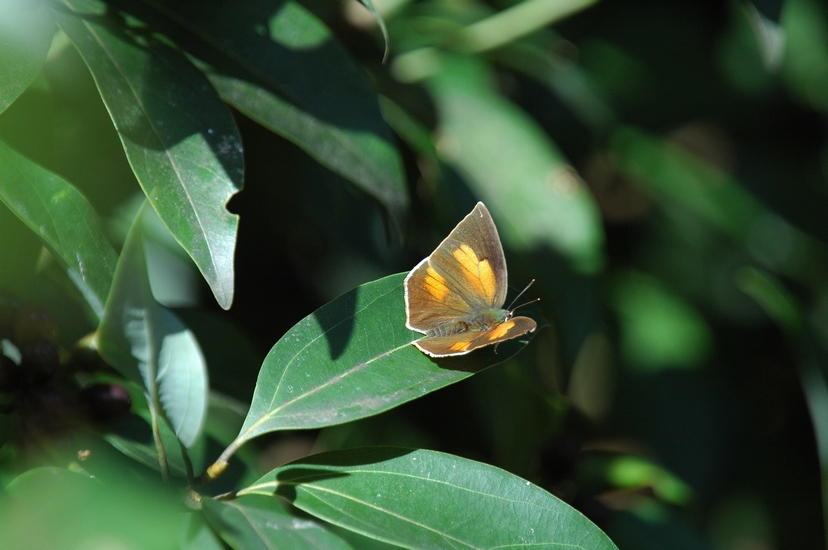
{"x":455,"y":296}
{"x":477,"y":323}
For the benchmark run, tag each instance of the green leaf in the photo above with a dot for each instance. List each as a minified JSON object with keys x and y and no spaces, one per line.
{"x":518,"y":20}
{"x":425,"y":499}
{"x":350,"y":359}
{"x":805,"y":27}
{"x":57,"y":508}
{"x":134,"y":438}
{"x":369,"y":4}
{"x":149,"y":345}
{"x":262,"y":522}
{"x":658,"y":330}
{"x":508,"y":160}
{"x":674,"y":172}
{"x":26,"y":30}
{"x":178,"y":136}
{"x":62,"y":217}
{"x":198,"y":536}
{"x":279,"y":65}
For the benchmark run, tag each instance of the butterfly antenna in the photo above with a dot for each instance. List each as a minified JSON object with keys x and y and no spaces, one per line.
{"x":510,"y":308}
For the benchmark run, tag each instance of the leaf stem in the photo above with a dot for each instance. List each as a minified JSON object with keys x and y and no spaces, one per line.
{"x":218,"y":467}
{"x":159,"y":444}
{"x":187,"y":464}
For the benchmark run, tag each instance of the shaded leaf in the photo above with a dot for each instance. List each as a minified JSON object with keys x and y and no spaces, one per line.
{"x":134,"y":438}
{"x":179,"y":138}
{"x":61,"y":216}
{"x":425,"y":499}
{"x":677,"y":173}
{"x":350,"y":359}
{"x":512,"y":165}
{"x":281,"y":66}
{"x":262,"y":522}
{"x":57,"y":508}
{"x":197,"y":535}
{"x":149,"y":345}
{"x":26,"y":30}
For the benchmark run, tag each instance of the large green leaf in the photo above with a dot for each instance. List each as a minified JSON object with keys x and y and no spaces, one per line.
{"x":281,"y":66}
{"x":674,"y":172}
{"x":148,"y":344}
{"x":511,"y":163}
{"x":518,"y":20}
{"x":805,"y":27}
{"x":57,"y":508}
{"x":178,"y":136}
{"x":64,"y":219}
{"x":262,"y":522}
{"x":425,"y":499}
{"x":197,"y":535}
{"x":350,"y":359}
{"x":26,"y":30}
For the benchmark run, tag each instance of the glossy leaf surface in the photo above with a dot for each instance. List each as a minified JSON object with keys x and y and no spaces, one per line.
{"x":262,"y":522}
{"x":149,"y":345}
{"x":26,"y":30}
{"x":62,"y":217}
{"x":280,"y":65}
{"x":350,"y":359}
{"x":179,"y":138}
{"x":425,"y":499}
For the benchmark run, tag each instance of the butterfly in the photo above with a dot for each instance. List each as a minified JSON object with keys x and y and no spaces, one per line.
{"x":455,"y":296}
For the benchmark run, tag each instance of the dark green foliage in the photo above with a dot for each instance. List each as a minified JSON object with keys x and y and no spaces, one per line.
{"x":208,"y":210}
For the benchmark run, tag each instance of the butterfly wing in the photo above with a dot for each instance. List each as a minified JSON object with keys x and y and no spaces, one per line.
{"x":465,"y":273}
{"x":463,"y":343}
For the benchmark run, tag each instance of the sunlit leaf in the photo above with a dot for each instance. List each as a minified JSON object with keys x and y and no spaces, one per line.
{"x":805,"y":28}
{"x":281,"y":66}
{"x":262,"y":522}
{"x":149,"y":345}
{"x":350,"y":359}
{"x":425,"y":499}
{"x":178,"y":136}
{"x":518,"y":20}
{"x":659,"y":330}
{"x":770,"y":37}
{"x":512,"y":165}
{"x":61,"y":216}
{"x":26,"y":30}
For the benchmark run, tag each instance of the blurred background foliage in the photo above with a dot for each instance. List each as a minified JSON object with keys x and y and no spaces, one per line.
{"x":659,"y":168}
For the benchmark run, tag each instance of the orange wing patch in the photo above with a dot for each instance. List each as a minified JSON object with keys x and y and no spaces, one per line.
{"x":479,"y":273}
{"x":500,"y":330}
{"x":460,"y":345}
{"x":435,"y":284}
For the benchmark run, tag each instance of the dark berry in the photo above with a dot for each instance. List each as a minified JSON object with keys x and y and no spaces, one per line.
{"x":106,"y":403}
